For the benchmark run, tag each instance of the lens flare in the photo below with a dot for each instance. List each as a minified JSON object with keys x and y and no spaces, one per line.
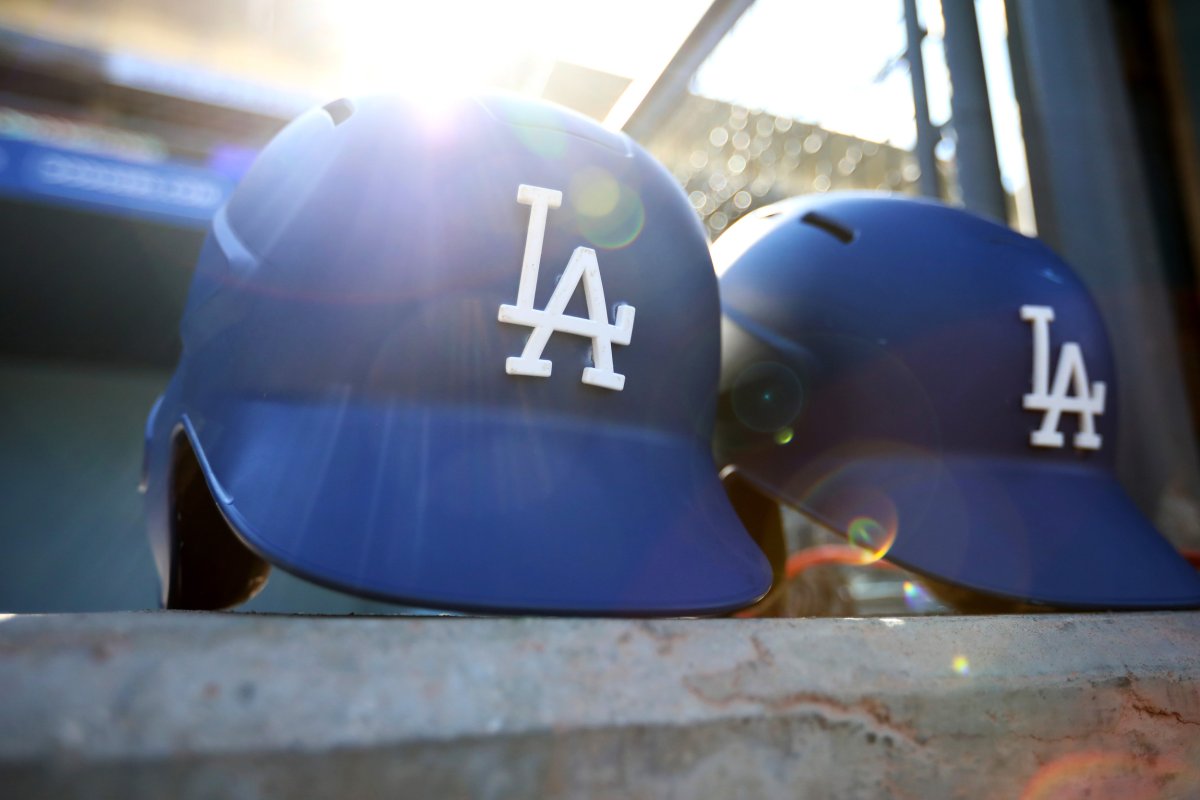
{"x":594,"y":192}
{"x":767,"y":397}
{"x":961,"y":665}
{"x":1109,"y":775}
{"x":784,"y":435}
{"x":871,"y":536}
{"x":610,"y":214}
{"x":401,"y":48}
{"x":865,"y":515}
{"x":870,"y":540}
{"x":916,"y":598}
{"x":856,"y":490}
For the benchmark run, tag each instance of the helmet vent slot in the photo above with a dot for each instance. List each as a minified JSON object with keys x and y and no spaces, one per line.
{"x":339,"y":110}
{"x":834,"y":229}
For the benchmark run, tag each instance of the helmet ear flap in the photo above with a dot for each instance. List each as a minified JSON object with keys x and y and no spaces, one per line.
{"x":210,"y":567}
{"x":761,"y":516}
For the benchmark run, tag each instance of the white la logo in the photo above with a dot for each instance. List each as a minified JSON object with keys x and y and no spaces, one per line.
{"x":582,"y":266}
{"x":1070,"y":373}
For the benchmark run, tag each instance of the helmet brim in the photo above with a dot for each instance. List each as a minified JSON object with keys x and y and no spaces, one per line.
{"x":472,"y":509}
{"x":1060,"y":535}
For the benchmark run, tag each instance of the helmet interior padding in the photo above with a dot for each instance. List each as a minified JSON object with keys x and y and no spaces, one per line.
{"x":210,"y":567}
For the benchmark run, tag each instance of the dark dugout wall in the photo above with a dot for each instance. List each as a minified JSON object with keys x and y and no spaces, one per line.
{"x":89,"y":317}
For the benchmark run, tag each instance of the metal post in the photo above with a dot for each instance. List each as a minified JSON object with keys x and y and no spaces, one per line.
{"x":647,"y":102}
{"x":927,"y":135}
{"x":978,"y":166}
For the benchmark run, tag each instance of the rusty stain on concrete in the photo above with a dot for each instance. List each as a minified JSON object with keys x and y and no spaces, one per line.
{"x":758,"y":680}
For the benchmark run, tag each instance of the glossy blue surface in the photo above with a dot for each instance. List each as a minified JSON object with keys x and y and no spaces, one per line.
{"x":874,"y":366}
{"x":343,"y":379}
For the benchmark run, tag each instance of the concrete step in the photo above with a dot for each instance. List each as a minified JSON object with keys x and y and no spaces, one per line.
{"x":171,"y":704}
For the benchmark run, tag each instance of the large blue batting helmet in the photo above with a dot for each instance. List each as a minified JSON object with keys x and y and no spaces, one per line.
{"x":412,"y":370}
{"x":897,"y":368}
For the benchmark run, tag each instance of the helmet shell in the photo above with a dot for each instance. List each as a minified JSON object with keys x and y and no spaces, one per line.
{"x":881,"y":373}
{"x":344,"y":387}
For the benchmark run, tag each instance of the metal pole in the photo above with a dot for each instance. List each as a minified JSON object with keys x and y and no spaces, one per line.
{"x":927,"y":135}
{"x":975,"y":152}
{"x":647,"y":102}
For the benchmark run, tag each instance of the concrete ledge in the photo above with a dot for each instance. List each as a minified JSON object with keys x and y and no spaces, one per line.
{"x":199,"y":705}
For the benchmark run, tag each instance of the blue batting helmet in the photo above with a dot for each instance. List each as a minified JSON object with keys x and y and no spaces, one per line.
{"x":926,"y":381}
{"x":463,"y":359}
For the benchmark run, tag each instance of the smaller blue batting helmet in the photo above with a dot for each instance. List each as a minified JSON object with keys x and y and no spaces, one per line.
{"x":925,"y":380}
{"x":412,"y":370}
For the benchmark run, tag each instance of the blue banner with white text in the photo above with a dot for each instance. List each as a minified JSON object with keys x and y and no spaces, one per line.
{"x":166,"y":192}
